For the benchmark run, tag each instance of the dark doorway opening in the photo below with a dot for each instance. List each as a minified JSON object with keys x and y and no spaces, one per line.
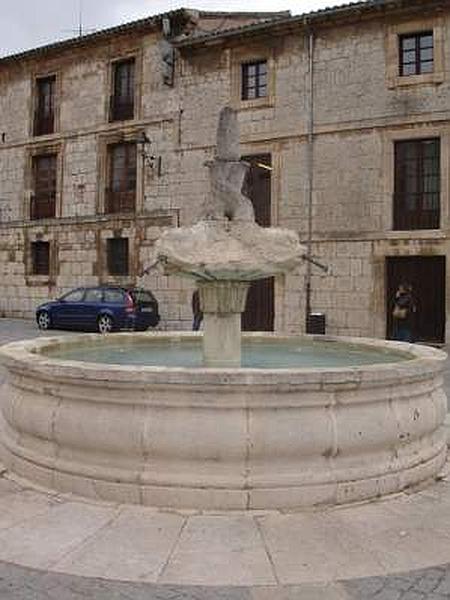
{"x":259,"y":309}
{"x":426,"y":274}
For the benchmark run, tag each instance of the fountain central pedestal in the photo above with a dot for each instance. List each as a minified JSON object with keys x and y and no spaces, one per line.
{"x":222,"y":303}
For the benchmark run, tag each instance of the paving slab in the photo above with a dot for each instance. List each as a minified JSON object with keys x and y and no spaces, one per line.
{"x":219,"y":550}
{"x":23,"y":505}
{"x":136,"y":545}
{"x":43,"y":540}
{"x":314,"y":547}
{"x":404,"y":533}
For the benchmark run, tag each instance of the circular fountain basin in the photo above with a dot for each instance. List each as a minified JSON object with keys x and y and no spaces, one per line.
{"x":74,"y":420}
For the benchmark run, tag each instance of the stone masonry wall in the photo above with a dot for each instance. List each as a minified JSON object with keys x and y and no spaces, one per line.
{"x":358,"y":114}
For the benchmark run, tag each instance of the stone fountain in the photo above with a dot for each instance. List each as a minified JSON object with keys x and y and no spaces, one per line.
{"x":77,"y":416}
{"x":226,"y":250}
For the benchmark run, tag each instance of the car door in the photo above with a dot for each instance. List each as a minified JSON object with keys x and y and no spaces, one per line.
{"x":114,"y":304}
{"x":93,"y":299}
{"x":70,"y":309}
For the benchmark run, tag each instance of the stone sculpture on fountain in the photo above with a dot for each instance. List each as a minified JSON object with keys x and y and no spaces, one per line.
{"x":227,"y":249}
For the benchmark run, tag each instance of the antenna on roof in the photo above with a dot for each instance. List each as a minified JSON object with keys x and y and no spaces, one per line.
{"x":80,"y":29}
{"x":80,"y":18}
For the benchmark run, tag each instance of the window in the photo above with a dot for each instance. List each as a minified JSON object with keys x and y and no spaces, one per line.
{"x":142,"y":296}
{"x":117,"y":256}
{"x":44,"y":115}
{"x":93,"y":295}
{"x":417,"y":184}
{"x":122,"y":98}
{"x":112,"y":296}
{"x":254,"y":80}
{"x":40,"y":258}
{"x":74,"y":296}
{"x":121,"y":193}
{"x":43,"y":200}
{"x":416,"y":53}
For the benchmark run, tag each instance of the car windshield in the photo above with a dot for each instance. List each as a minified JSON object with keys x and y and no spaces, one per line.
{"x":141,"y":296}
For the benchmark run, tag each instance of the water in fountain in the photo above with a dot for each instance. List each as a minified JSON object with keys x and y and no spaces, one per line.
{"x":295,"y":353}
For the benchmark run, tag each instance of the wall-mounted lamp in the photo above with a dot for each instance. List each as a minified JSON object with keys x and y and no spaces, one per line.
{"x":144,"y":144}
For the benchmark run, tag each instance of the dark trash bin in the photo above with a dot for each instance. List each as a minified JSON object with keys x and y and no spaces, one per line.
{"x":315,"y":323}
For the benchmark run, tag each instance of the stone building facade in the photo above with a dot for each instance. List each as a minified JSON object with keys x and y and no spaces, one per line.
{"x":344,"y":116}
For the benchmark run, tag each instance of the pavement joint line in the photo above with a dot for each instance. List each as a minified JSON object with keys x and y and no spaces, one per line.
{"x":171,"y":551}
{"x":266,"y":548}
{"x":85,"y":541}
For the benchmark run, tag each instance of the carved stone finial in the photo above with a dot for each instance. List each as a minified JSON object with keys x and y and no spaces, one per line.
{"x":228,"y":135}
{"x":227,"y":174}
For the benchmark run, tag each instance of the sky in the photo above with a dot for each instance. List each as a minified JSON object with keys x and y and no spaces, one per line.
{"x":26,"y":24}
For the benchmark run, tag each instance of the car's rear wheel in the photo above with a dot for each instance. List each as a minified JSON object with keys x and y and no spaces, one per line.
{"x":43,"y":320}
{"x":105,"y":324}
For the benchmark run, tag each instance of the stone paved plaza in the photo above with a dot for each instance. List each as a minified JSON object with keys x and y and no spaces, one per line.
{"x":58,"y":547}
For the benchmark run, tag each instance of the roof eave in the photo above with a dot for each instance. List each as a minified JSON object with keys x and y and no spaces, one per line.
{"x":367,"y":9}
{"x":147,"y":23}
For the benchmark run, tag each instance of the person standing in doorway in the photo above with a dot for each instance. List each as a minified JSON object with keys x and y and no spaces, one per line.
{"x":404,"y":313}
{"x":196,"y":311}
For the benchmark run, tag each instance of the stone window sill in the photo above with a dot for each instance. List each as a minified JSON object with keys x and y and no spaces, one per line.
{"x":266,"y":102}
{"x":411,"y":80}
{"x":416,"y":234}
{"x":38,"y":280}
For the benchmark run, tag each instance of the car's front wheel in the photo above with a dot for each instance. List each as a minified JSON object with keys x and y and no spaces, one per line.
{"x":43,"y":320}
{"x":105,"y":324}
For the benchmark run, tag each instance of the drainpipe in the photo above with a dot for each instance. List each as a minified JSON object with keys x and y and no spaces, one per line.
{"x":310,"y":170}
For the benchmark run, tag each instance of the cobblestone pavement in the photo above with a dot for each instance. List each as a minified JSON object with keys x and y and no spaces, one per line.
{"x":20,"y":583}
{"x":428,"y":584}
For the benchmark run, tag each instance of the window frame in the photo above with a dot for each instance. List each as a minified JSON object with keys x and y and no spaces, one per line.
{"x":417,"y":50}
{"x":49,"y":202}
{"x":246,"y":76}
{"x":112,"y":268}
{"x":38,"y":80}
{"x":105,"y":141}
{"x":35,"y":267}
{"x":257,"y":53}
{"x":418,"y":219}
{"x":130,"y":98}
{"x":121,"y":198}
{"x":394,"y":33}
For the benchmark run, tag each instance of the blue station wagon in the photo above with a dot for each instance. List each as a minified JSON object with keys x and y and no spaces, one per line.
{"x":103,"y":309}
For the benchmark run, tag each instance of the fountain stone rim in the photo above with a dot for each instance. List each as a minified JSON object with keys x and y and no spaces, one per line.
{"x":32,"y":351}
{"x":222,"y":438}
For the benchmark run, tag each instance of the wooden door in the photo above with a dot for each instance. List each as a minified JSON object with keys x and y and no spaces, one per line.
{"x":259,"y":310}
{"x":426,"y":274}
